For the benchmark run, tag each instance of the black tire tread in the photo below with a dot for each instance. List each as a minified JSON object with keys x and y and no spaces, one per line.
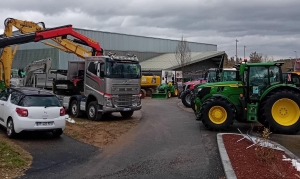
{"x":183,"y":95}
{"x":266,"y":118}
{"x":226,"y":125}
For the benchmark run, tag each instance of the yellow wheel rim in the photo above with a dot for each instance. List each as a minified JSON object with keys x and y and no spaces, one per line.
{"x":285,"y":112}
{"x":217,"y":114}
{"x":176,"y":92}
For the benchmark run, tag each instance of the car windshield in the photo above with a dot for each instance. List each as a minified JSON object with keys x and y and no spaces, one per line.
{"x":229,"y":75}
{"x":45,"y":101}
{"x":123,"y":70}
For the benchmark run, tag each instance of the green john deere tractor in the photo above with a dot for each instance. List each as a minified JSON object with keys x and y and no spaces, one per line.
{"x":214,"y":75}
{"x":260,"y":94}
{"x":166,"y":89}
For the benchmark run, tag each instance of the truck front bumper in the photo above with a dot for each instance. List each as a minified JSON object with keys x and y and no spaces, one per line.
{"x":107,"y":109}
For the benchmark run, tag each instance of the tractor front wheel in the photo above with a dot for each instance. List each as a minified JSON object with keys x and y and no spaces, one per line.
{"x":169,"y":94}
{"x":280,"y":112}
{"x":217,"y":113}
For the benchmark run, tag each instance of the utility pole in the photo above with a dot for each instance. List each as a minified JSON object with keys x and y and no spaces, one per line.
{"x":236,"y":57}
{"x":244,"y":51}
{"x":295,"y":60}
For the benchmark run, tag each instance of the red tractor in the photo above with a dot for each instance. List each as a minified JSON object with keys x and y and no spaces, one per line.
{"x":186,"y":94}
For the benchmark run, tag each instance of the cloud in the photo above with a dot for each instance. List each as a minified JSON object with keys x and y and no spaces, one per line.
{"x":268,"y":27}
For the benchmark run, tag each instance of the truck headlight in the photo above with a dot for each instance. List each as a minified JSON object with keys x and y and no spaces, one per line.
{"x":108,"y":102}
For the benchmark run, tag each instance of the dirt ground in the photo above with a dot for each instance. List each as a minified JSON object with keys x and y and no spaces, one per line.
{"x":101,"y":133}
{"x":14,"y":160}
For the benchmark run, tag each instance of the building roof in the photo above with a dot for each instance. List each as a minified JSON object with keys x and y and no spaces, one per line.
{"x":169,"y":62}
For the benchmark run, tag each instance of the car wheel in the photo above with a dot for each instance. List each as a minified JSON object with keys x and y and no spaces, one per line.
{"x":57,"y":133}
{"x":10,"y":129}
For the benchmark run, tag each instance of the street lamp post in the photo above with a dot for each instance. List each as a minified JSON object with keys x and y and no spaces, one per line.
{"x":244,"y":51}
{"x":236,"y":57}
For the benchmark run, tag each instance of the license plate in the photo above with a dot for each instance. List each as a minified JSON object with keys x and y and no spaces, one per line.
{"x":44,"y":123}
{"x":126,"y":109}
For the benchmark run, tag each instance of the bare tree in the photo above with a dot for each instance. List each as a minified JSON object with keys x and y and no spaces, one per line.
{"x":266,"y":58}
{"x":183,"y":53}
{"x":255,"y":57}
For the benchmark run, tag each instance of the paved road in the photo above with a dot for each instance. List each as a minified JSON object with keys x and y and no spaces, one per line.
{"x":167,"y":143}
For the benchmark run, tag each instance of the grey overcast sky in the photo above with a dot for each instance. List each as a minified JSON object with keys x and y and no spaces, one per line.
{"x":269,"y":27}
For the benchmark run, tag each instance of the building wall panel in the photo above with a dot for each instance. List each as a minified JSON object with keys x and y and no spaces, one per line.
{"x":123,"y":42}
{"x":24,"y":57}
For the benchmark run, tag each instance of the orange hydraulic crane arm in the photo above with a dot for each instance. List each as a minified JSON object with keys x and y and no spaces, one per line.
{"x":65,"y":45}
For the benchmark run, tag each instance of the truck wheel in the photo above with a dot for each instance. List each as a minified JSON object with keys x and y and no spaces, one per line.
{"x":186,"y":98}
{"x":143,"y":92}
{"x":126,"y":114}
{"x":92,"y":111}
{"x":280,"y":112}
{"x":217,"y":114}
{"x":75,"y":109}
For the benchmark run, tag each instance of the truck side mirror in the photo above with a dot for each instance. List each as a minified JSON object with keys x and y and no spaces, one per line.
{"x":101,"y":74}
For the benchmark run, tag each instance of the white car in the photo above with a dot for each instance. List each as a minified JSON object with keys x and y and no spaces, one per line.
{"x":31,"y":109}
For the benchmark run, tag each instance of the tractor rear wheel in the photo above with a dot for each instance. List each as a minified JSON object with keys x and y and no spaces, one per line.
{"x":175,"y":93}
{"x":280,"y":112}
{"x":217,"y":113}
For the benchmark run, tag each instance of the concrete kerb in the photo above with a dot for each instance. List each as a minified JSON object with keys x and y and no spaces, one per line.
{"x":227,"y":167}
{"x":229,"y":172}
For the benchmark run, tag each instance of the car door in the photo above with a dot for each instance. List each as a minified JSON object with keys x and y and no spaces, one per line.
{"x":4,"y":95}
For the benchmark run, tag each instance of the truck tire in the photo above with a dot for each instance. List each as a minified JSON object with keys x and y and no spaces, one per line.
{"x":280,"y":112}
{"x":126,"y":114}
{"x":143,"y":92}
{"x":75,"y":109}
{"x":217,"y":113}
{"x":186,"y":98}
{"x":92,"y":111}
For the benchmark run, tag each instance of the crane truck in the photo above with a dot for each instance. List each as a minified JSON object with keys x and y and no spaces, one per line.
{"x":110,"y":84}
{"x":148,"y":83}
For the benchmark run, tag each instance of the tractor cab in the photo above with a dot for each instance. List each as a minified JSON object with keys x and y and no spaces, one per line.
{"x":257,"y":77}
{"x":291,"y":78}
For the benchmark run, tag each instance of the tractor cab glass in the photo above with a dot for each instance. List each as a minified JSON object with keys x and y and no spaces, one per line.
{"x":212,"y":76}
{"x":229,"y":75}
{"x":260,"y":78}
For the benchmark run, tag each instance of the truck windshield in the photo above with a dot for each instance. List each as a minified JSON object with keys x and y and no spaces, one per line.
{"x":123,"y":70}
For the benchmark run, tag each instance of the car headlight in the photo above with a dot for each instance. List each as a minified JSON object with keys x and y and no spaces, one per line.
{"x":108,"y":101}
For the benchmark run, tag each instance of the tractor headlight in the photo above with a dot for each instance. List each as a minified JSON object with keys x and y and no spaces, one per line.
{"x":199,"y":91}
